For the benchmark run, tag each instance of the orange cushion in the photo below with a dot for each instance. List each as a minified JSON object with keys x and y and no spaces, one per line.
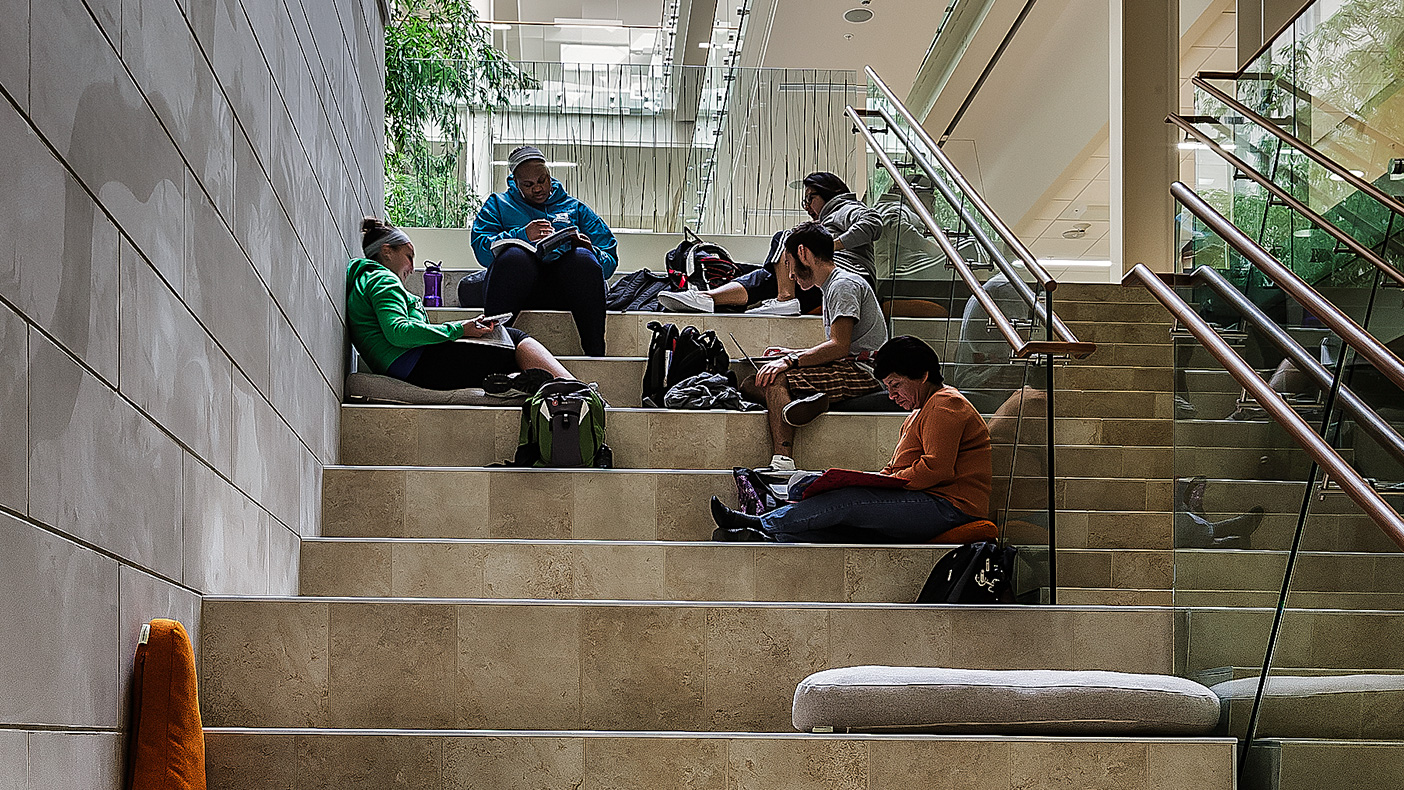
{"x":972,"y":532}
{"x":167,"y":741}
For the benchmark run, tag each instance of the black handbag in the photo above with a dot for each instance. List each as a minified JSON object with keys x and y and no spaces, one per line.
{"x":980,"y":572}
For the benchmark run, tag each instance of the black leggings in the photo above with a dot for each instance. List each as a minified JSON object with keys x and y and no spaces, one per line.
{"x":452,"y":365}
{"x":575,"y":282}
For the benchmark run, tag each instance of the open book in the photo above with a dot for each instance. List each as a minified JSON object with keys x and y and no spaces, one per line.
{"x":549,"y":247}
{"x":845,"y":478}
{"x":498,"y":338}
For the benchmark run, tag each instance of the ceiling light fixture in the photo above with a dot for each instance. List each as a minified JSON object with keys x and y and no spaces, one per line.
{"x":857,"y":15}
{"x":1077,"y":231}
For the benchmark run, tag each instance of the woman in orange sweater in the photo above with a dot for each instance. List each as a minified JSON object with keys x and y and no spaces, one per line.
{"x":943,"y":454}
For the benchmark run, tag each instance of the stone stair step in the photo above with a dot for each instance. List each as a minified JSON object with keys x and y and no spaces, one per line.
{"x":1341,"y":573}
{"x":1302,"y":600}
{"x":627,"y":334}
{"x":239,"y":759}
{"x":640,"y":438}
{"x":377,"y":435}
{"x":1310,"y":638}
{"x":589,"y":504}
{"x":1310,"y":764}
{"x":502,"y":664}
{"x":615,"y":570}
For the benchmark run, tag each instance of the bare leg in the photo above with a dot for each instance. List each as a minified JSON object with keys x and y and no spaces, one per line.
{"x":531,"y":354}
{"x":729,"y":294}
{"x":782,"y":434}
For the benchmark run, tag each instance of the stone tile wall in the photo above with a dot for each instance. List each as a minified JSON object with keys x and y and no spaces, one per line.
{"x":183,"y":181}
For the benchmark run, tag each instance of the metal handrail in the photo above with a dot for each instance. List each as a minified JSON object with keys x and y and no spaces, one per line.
{"x":1019,"y":347}
{"x":1314,"y":155}
{"x":1390,"y":522}
{"x":1366,"y":417}
{"x":1040,"y":274}
{"x":1025,"y":292}
{"x":1287,"y":198}
{"x":1384,"y":360}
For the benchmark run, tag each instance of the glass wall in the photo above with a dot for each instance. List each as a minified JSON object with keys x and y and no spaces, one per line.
{"x":720,"y":150}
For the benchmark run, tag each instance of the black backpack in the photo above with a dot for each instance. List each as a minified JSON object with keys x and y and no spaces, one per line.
{"x":674,"y":355}
{"x":974,"y":573}
{"x":701,"y":263}
{"x":639,"y":291}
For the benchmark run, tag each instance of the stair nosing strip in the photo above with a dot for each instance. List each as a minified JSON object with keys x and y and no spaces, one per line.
{"x":709,"y":734}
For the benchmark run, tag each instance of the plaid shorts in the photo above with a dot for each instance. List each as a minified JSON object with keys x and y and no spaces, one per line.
{"x":842,"y":379}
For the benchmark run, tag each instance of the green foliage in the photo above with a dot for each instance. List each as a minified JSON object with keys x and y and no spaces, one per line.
{"x":439,"y":60}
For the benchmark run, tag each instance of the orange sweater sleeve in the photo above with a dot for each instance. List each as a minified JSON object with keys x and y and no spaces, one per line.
{"x":931,"y":462}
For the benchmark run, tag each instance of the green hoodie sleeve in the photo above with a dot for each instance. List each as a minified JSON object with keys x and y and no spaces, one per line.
{"x":401,"y":321}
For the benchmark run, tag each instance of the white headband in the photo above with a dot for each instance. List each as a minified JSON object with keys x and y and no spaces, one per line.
{"x":394,"y":238}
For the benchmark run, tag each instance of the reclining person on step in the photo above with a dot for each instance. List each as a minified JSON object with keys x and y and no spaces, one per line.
{"x":569,"y":276}
{"x":801,"y":383}
{"x":392,"y":333}
{"x":828,"y":201}
{"x":943,"y":453}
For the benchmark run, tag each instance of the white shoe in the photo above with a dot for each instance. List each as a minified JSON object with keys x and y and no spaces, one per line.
{"x":773,"y":307}
{"x":688,"y":301}
{"x":779,"y":463}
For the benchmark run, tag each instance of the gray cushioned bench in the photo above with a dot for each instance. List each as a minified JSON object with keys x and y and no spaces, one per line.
{"x":1003,"y":702}
{"x":1316,"y":706}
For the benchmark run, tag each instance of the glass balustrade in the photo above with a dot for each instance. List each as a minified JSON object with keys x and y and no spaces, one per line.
{"x":1278,"y":573}
{"x":720,"y":150}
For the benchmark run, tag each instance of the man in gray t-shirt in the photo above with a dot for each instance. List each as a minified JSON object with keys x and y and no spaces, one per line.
{"x":799,"y":385}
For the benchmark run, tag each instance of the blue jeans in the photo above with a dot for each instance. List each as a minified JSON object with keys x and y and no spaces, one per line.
{"x":864,"y":515}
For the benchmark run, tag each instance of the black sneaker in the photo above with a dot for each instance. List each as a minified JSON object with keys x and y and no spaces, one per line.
{"x":515,"y":385}
{"x":803,"y":410}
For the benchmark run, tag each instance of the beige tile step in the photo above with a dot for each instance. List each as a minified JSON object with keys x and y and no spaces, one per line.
{"x":615,"y":570}
{"x":1304,"y":600}
{"x":502,"y":664}
{"x":664,"y":439}
{"x":1309,"y":764}
{"x":538,"y":504}
{"x":1309,"y":638}
{"x":240,"y":759}
{"x":1348,"y":574}
{"x":627,"y":334}
{"x":640,"y":438}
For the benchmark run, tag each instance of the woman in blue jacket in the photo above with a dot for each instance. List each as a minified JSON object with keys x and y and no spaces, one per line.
{"x":534,"y":206}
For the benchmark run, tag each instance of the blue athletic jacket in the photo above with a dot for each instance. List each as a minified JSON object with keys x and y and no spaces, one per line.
{"x":506,"y":214}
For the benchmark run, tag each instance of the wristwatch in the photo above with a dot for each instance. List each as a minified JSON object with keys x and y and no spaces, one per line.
{"x":792,"y":360}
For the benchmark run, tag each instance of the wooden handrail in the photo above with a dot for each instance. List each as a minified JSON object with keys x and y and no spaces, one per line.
{"x":1367,"y":417}
{"x":1384,"y":360}
{"x":1287,"y":198}
{"x":1040,"y":274}
{"x":1314,"y":155}
{"x":1019,"y":347}
{"x":1390,"y":522}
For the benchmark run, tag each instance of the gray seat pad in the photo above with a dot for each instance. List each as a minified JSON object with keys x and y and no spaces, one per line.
{"x":1007,"y":702}
{"x":375,"y":388}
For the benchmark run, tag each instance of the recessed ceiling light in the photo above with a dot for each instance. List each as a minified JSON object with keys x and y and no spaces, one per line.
{"x":857,"y":15}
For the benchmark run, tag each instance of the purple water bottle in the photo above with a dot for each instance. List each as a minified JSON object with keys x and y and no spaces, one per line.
{"x":433,"y":285}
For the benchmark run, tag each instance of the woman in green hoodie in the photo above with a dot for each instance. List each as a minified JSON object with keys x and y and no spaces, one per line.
{"x":392,"y":333}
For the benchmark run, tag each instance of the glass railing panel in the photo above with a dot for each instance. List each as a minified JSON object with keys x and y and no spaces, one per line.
{"x":656,"y":147}
{"x":1334,"y":76}
{"x":1313,"y":253}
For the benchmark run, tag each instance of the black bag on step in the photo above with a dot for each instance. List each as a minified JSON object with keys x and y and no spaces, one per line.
{"x":472,"y":289}
{"x":674,"y":355}
{"x":974,"y":573}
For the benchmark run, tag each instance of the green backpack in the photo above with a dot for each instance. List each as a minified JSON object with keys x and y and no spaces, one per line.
{"x":563,"y":425}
